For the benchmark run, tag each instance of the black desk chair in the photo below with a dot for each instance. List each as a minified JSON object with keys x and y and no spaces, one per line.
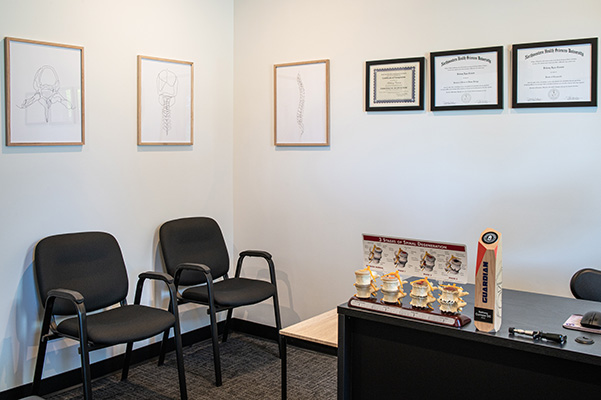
{"x":586,"y":284}
{"x":195,"y":253}
{"x":79,"y":273}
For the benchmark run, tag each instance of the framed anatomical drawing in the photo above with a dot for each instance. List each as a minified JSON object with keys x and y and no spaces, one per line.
{"x":302,"y":103}
{"x":44,"y":93}
{"x":165,"y":101}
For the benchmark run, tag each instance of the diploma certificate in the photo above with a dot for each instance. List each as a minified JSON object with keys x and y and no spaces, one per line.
{"x":555,"y":74}
{"x":468,"y":79}
{"x":394,"y":85}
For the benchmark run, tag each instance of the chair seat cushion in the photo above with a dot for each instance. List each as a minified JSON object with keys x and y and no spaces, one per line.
{"x":121,"y":324}
{"x":233,"y":292}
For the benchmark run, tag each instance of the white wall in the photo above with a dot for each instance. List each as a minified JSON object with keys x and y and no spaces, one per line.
{"x":416,"y":174}
{"x":444,"y":176}
{"x":110,"y":183}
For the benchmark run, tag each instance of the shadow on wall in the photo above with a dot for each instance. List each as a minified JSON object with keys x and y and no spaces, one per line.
{"x":22,"y":331}
{"x":161,"y":294}
{"x":287,"y":314}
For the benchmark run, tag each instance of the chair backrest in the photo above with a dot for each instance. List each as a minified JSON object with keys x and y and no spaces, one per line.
{"x":194,"y":240}
{"x":586,"y":284}
{"x":88,"y":262}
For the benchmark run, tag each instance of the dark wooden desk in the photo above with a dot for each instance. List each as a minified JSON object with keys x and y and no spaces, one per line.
{"x":382,"y":355}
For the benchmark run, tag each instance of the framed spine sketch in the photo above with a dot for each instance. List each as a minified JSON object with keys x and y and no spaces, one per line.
{"x":302,"y":103}
{"x":44,"y":93}
{"x":165,"y":101}
{"x":394,"y":85}
{"x":555,"y":74}
{"x":469,"y":79}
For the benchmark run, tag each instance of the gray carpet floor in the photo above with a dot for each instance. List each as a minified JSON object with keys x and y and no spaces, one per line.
{"x":250,"y":368}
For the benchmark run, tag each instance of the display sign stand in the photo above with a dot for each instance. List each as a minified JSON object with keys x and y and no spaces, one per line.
{"x":396,"y":309}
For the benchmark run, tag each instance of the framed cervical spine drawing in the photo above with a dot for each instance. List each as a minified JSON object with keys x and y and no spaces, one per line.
{"x":44,"y":93}
{"x":301,"y":106}
{"x":165,"y":101}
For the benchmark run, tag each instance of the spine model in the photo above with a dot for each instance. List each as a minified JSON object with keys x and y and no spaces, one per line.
{"x":489,"y":282}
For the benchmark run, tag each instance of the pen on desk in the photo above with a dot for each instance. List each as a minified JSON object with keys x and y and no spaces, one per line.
{"x":553,"y":337}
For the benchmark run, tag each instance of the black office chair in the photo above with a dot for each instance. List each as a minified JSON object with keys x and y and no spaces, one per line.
{"x":586,"y":284}
{"x":78,"y":273}
{"x":195,"y":253}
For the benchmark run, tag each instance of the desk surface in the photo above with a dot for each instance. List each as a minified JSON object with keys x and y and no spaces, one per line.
{"x":322,"y":329}
{"x":522,"y":310}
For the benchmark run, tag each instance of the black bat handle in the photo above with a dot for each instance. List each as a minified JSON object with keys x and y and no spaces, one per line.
{"x":554,"y":337}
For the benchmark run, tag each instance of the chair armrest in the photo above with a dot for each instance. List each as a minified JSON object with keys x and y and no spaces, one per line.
{"x":192,"y":267}
{"x":66,"y":294}
{"x":158,"y":276}
{"x":78,"y":301}
{"x":256,"y":253}
{"x":200,"y":268}
{"x":161,"y":276}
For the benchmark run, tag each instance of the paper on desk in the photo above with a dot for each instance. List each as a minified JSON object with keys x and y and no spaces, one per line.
{"x":574,"y":323}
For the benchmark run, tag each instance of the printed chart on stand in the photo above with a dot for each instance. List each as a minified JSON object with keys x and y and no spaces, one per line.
{"x":411,"y":257}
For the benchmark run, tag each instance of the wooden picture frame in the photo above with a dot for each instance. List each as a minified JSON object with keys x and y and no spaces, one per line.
{"x":395,"y":85}
{"x":555,"y":74}
{"x":302,"y":103}
{"x":470,"y":79}
{"x":44,"y":85}
{"x":165,"y":101}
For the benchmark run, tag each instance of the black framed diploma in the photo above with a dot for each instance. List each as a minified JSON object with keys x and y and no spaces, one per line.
{"x":555,"y":74}
{"x":394,"y":85}
{"x":469,"y":79}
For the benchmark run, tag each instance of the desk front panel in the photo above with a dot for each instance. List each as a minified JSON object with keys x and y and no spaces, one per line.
{"x":381,"y":355}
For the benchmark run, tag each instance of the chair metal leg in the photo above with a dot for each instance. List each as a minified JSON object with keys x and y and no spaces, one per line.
{"x":226,"y":328}
{"x":284,"y":370}
{"x":179,"y":353}
{"x":163,"y":347}
{"x":125,"y":371}
{"x":39,"y":363}
{"x":276,"y":304}
{"x":39,"y":366}
{"x":86,"y":373}
{"x":278,"y":323}
{"x":84,"y":351}
{"x":215,"y":339}
{"x":173,"y":309}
